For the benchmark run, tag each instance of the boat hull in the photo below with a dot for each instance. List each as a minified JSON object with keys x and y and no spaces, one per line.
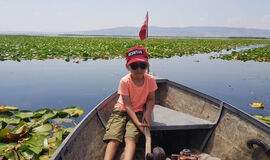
{"x":227,"y":137}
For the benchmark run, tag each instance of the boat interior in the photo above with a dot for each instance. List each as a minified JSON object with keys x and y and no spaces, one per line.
{"x":178,"y":122}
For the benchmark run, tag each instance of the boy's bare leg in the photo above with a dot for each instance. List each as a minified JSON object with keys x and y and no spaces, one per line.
{"x":129,"y":148}
{"x":111,"y":149}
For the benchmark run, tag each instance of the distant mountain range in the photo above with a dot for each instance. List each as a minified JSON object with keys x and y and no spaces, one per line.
{"x":165,"y":32}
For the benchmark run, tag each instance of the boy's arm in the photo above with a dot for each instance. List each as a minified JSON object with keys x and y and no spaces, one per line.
{"x":132,"y":114}
{"x":149,"y":108}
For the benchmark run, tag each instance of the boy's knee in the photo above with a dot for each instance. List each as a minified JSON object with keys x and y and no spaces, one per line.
{"x":114,"y":142}
{"x":130,"y":140}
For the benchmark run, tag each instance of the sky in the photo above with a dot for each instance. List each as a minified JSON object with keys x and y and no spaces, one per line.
{"x":84,"y":15}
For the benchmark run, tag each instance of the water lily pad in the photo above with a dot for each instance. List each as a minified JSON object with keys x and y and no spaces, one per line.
{"x":2,"y":125}
{"x":263,"y":119}
{"x":267,"y":118}
{"x":62,"y":120}
{"x":35,"y":149}
{"x":58,"y":135}
{"x":39,"y":113}
{"x":44,"y":157}
{"x":18,"y":126}
{"x":23,"y":114}
{"x":8,"y":108}
{"x":56,"y":128}
{"x":45,"y":143}
{"x":46,"y":134}
{"x":10,"y":155}
{"x":8,"y":113}
{"x":18,"y":133}
{"x":256,"y":105}
{"x":28,"y":154}
{"x":20,"y":155}
{"x":51,"y":152}
{"x":54,"y":143}
{"x":3,"y":132}
{"x":9,"y":120}
{"x":72,"y":111}
{"x":67,"y":130}
{"x":32,"y":124}
{"x":51,"y":139}
{"x":35,"y":144}
{"x":43,"y":128}
{"x":258,"y":116}
{"x":48,"y":116}
{"x":4,"y":146}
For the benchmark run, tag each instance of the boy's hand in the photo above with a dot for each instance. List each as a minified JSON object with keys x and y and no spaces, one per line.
{"x":141,"y":126}
{"x":147,"y":118}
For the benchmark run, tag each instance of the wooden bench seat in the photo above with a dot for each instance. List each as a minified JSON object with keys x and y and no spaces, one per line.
{"x":168,"y":119}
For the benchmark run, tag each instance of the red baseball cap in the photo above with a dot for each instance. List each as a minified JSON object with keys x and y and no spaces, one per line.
{"x":136,"y":54}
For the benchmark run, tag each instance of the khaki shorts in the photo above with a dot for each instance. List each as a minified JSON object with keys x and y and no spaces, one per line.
{"x":120,"y":125}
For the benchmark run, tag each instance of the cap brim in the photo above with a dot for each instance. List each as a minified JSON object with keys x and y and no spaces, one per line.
{"x":137,"y":60}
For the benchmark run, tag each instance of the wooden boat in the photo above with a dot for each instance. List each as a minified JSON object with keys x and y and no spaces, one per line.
{"x":182,"y":118}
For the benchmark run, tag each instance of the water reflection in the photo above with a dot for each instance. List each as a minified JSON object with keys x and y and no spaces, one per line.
{"x":57,"y":84}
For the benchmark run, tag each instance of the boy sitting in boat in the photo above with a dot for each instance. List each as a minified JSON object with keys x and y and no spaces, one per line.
{"x":128,"y":118}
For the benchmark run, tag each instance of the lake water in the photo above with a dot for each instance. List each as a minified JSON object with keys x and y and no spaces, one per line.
{"x":36,"y":84}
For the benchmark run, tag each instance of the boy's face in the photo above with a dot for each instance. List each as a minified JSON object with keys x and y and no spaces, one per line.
{"x":138,"y":68}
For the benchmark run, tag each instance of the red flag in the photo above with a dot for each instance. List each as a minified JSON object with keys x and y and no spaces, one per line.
{"x":144,"y":29}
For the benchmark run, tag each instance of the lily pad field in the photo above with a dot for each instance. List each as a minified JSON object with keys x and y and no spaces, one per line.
{"x":33,"y":135}
{"x":41,"y":47}
{"x":257,"y":54}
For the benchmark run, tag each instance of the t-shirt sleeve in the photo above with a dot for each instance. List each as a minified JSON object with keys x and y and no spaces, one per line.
{"x":152,"y":85}
{"x":123,"y":88}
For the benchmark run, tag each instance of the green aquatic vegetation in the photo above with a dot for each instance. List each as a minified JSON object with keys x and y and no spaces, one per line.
{"x":83,"y":48}
{"x":8,"y":108}
{"x":71,"y":111}
{"x":260,"y":117}
{"x":23,"y":114}
{"x":9,"y":120}
{"x":33,"y":135}
{"x":261,"y":54}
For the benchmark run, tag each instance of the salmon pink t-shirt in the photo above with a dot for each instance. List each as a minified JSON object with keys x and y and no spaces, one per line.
{"x":138,"y":94}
